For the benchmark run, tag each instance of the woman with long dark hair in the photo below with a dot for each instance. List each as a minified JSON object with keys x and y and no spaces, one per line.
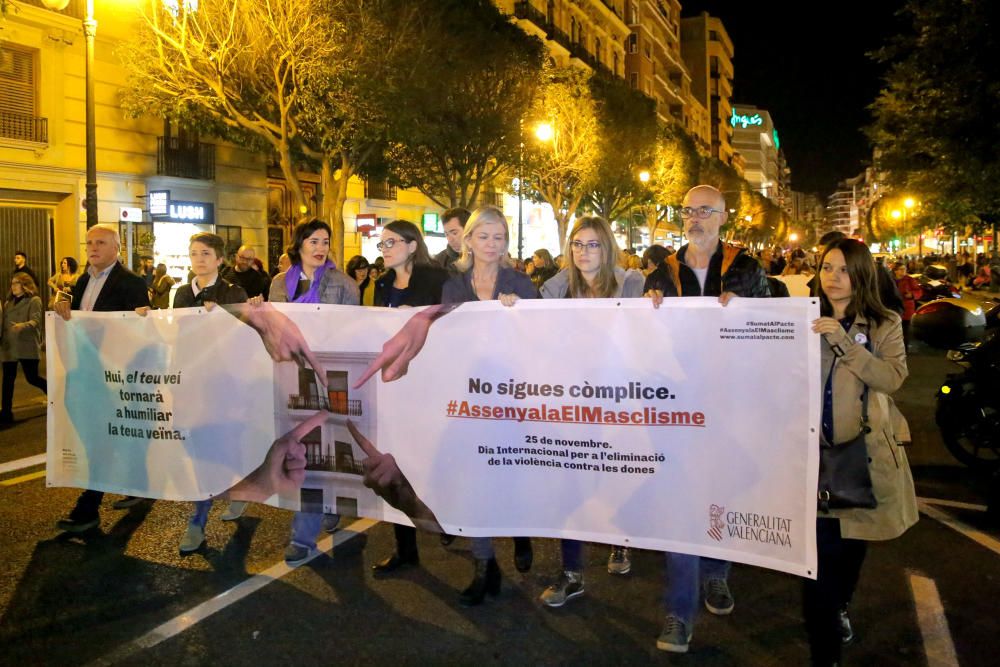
{"x":863,"y":361}
{"x":311,"y":278}
{"x":65,"y":279}
{"x":411,"y":279}
{"x":485,"y":273}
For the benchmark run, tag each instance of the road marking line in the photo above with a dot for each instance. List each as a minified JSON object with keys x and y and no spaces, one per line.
{"x":938,"y":646}
{"x":965,"y":529}
{"x":23,"y":478}
{"x":19,"y":464}
{"x":200,"y":612}
{"x":957,"y":504}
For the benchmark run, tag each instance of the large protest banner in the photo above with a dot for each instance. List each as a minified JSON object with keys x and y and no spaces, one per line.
{"x":689,"y":428}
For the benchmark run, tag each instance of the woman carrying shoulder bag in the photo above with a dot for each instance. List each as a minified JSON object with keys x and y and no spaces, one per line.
{"x":863,"y":361}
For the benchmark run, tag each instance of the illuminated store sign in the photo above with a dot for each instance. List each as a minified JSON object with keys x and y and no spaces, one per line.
{"x":164,"y":209}
{"x":745,"y":121}
{"x":158,"y":201}
{"x":187,"y":211}
{"x":432,"y":224}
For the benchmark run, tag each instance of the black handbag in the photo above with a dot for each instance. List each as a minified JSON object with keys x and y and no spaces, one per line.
{"x":844,"y":478}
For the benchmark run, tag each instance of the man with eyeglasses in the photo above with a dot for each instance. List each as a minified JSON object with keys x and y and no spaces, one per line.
{"x":246,"y":275}
{"x":705,"y":266}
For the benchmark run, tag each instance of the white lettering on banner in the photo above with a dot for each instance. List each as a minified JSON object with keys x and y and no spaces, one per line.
{"x":623,"y":433}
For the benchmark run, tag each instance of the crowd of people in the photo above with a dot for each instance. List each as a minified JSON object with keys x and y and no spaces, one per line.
{"x":860,"y":329}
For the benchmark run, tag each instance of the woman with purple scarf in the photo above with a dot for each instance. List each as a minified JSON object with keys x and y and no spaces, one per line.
{"x":312,"y":278}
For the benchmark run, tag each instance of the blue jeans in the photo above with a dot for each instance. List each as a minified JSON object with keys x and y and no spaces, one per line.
{"x":482,"y":548}
{"x":305,"y":527}
{"x":682,"y":586}
{"x":200,"y":515}
{"x":572,"y":555}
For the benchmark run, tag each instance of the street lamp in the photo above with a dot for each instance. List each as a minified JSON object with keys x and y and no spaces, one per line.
{"x":544,"y":132}
{"x":89,"y":30}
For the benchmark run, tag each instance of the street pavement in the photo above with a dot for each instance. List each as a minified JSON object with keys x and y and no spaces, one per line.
{"x":123,"y":594}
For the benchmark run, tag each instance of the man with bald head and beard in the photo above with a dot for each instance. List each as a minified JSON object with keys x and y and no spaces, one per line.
{"x":706,"y":266}
{"x":244,"y":274}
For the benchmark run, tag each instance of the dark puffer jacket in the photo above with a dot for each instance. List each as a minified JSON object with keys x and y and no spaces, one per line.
{"x":731,"y":269}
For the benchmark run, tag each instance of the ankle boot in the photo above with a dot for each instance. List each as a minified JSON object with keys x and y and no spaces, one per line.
{"x":485,"y":580}
{"x":523,"y":555}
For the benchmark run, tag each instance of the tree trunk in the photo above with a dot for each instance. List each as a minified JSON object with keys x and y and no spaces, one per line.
{"x":291,"y":179}
{"x":334,"y":197}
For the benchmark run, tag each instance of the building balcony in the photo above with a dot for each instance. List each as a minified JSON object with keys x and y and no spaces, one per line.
{"x":491,"y":199}
{"x":380,"y":190}
{"x":526,"y":11}
{"x":184,"y":158}
{"x":24,"y":128}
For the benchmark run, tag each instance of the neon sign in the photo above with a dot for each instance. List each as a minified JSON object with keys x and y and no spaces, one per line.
{"x":745,"y":121}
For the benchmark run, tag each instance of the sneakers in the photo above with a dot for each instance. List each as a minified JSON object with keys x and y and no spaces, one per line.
{"x":194,"y":539}
{"x":569,"y":586}
{"x":295,"y":555}
{"x":71,"y":525}
{"x":718,"y":599}
{"x":126,"y":502}
{"x":846,"y":631}
{"x":618,"y":561}
{"x":330,"y":522}
{"x":235,"y":510}
{"x":675,"y":636}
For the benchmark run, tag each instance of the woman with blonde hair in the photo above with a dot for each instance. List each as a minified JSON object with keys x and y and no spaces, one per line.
{"x":484,"y":274}
{"x":160,"y":291}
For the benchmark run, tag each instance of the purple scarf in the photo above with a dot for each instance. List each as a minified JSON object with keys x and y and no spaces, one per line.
{"x":292,"y":283}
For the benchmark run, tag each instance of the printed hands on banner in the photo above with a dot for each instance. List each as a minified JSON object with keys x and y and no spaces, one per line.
{"x":383,"y":476}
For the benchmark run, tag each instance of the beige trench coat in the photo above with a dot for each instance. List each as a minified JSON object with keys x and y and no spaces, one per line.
{"x":883,"y":370}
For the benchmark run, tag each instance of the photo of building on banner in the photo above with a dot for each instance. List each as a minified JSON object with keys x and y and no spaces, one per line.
{"x":482,"y":420}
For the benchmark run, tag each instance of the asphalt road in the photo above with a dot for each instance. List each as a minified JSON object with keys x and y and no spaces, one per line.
{"x":123,"y":595}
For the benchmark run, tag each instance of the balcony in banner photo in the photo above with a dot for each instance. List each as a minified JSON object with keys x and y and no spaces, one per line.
{"x":333,"y":460}
{"x":336,"y":399}
{"x":320,"y":456}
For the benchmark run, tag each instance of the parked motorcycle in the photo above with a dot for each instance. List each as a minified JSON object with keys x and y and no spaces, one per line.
{"x":949,"y":322}
{"x":968,"y":405}
{"x":935,"y":284}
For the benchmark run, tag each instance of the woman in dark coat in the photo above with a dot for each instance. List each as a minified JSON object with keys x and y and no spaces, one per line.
{"x":411,"y":279}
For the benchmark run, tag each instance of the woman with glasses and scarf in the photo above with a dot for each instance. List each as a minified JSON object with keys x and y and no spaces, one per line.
{"x":311,"y":278}
{"x":411,"y":279}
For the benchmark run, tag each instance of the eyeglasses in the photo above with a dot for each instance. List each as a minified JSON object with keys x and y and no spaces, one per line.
{"x":580,"y":246}
{"x":388,"y":243}
{"x":701,"y":212}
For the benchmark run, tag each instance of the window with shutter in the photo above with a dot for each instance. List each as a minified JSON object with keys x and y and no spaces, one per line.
{"x":19,"y":95}
{"x":17,"y":81}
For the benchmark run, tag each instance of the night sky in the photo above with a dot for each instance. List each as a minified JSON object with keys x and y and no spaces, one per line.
{"x":805,"y":63}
